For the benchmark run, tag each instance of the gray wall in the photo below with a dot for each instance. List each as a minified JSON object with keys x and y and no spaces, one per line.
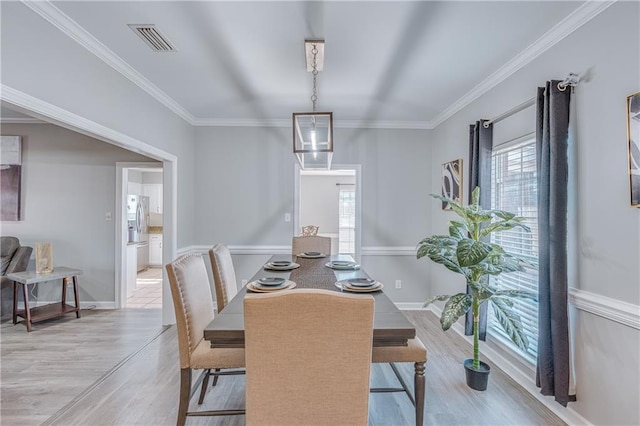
{"x":319,"y":201}
{"x":68,"y":184}
{"x":42,"y":61}
{"x":606,"y":51}
{"x":244,"y":185}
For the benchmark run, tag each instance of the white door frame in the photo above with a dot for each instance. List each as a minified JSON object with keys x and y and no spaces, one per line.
{"x":122,"y":179}
{"x":169,"y":222}
{"x":357,"y":168}
{"x":53,"y":114}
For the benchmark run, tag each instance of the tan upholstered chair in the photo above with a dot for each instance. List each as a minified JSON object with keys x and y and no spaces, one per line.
{"x":308,"y":356}
{"x":224,"y":276}
{"x":414,"y":352}
{"x":309,"y":230}
{"x":193,"y":304}
{"x":313,"y":243}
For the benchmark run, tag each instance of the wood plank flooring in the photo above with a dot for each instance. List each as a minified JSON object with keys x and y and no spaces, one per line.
{"x":142,"y":389}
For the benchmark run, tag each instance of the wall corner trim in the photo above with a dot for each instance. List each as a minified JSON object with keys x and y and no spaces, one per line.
{"x":606,"y":307}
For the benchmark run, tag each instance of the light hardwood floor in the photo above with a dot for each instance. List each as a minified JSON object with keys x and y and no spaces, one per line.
{"x":113,"y":379}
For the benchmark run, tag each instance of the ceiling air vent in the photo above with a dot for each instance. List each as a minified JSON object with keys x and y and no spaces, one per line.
{"x":153,"y":38}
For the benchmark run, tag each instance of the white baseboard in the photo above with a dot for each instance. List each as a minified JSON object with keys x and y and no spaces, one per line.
{"x":83,"y":304}
{"x":97,"y":305}
{"x":567,"y":414}
{"x":403,"y":306}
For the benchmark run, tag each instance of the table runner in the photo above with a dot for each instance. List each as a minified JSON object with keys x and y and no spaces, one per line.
{"x":313,"y":274}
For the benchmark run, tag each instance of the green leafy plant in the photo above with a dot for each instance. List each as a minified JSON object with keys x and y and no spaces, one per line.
{"x":466,"y":251}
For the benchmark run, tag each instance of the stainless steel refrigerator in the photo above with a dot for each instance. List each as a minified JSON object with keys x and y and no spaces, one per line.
{"x":138,"y":227}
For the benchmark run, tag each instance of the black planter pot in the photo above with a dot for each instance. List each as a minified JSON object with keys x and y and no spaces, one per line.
{"x":477,"y":379}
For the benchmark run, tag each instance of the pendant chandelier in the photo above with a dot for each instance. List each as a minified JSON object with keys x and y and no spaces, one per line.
{"x":313,"y":131}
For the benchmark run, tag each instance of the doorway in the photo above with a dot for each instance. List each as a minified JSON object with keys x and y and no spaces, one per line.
{"x":330,"y":200}
{"x":141,"y":224}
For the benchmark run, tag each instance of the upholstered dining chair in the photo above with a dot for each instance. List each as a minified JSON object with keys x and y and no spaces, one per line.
{"x":308,"y":357}
{"x":312,"y":243}
{"x":224,"y":276}
{"x":193,"y":304}
{"x":224,"y":281}
{"x":414,"y":352}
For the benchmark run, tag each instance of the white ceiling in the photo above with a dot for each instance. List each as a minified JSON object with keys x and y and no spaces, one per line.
{"x":391,"y":62}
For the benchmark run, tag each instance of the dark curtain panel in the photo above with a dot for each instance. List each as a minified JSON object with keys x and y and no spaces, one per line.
{"x":480,"y":148}
{"x":552,"y":132}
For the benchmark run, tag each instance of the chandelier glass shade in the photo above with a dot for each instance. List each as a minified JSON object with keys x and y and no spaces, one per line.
{"x":313,"y":139}
{"x":313,"y":131}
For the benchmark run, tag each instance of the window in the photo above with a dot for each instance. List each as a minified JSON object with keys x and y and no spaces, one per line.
{"x":514,"y":189}
{"x":347,"y":221}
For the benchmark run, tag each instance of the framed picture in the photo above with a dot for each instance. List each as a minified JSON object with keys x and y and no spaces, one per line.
{"x":451,"y":182}
{"x":10,"y":177}
{"x":633,"y":134}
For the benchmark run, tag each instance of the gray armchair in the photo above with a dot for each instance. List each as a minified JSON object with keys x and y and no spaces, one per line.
{"x":13,"y":258}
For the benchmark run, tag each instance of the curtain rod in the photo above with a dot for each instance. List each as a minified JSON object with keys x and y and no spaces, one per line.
{"x":571,"y":80}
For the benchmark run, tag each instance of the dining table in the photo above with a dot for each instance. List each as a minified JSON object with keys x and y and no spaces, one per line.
{"x":390,"y":326}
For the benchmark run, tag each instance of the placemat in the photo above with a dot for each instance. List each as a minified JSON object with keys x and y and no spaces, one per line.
{"x":313,"y":274}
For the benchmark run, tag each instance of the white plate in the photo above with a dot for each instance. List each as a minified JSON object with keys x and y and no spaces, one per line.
{"x":257,"y":288}
{"x":361,"y":282}
{"x":312,"y":256}
{"x":344,"y":286}
{"x":271,"y":267}
{"x":270,"y":281}
{"x":353,"y":267}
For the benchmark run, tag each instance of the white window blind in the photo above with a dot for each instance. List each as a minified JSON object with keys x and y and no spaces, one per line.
{"x":514,"y":189}
{"x":347,"y":221}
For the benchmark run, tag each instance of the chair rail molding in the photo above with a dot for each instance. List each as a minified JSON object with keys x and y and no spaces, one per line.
{"x":237,"y":249}
{"x":606,"y":307}
{"x":389,"y":251}
{"x":275,"y":249}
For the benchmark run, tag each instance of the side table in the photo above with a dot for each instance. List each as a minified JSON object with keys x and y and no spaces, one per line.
{"x":51,"y":310}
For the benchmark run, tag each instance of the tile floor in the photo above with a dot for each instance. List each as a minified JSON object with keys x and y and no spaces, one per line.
{"x":148,"y":292}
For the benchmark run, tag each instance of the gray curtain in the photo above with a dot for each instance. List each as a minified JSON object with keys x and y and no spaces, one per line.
{"x":480,"y":148}
{"x":552,"y":133}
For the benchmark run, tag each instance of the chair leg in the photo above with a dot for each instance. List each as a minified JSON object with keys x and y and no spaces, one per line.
{"x":215,"y":378}
{"x":419,"y":392}
{"x":205,"y":382}
{"x":185,"y":393}
{"x":405,"y":388}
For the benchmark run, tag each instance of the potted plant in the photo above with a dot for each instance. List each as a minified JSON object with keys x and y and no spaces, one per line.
{"x":467,"y":251}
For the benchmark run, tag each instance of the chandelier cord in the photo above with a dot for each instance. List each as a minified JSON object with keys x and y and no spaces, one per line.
{"x":314,"y":96}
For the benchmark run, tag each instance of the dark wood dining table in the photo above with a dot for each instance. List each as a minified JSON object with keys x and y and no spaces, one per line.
{"x":390,"y":326}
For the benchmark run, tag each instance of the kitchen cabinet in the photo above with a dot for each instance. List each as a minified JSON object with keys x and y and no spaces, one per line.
{"x":154,"y":192}
{"x":155,"y":249}
{"x":134,"y":188}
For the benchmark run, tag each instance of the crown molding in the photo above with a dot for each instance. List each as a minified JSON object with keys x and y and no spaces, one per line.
{"x":583,"y":14}
{"x":81,"y":36}
{"x":57,"y":115}
{"x":21,"y":120}
{"x":338,"y":124}
{"x":575,"y":20}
